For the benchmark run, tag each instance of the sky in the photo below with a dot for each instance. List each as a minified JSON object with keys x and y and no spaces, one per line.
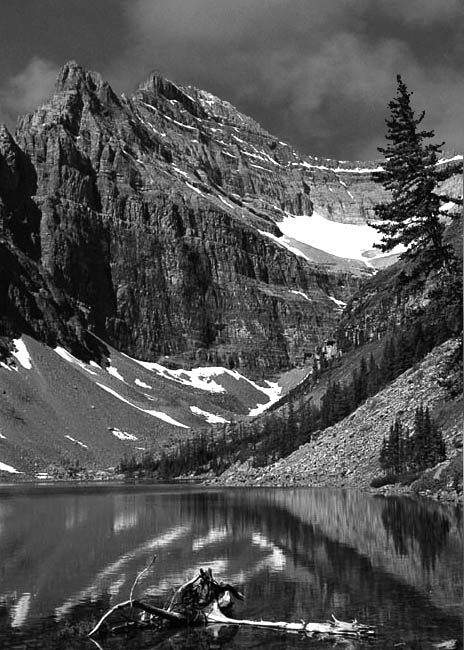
{"x":316,"y":73}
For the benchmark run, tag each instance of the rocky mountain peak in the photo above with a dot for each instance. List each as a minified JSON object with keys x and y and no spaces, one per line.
{"x":73,"y":76}
{"x":161,"y":89}
{"x":177,"y":223}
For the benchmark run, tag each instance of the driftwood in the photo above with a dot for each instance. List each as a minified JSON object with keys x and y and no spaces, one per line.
{"x":330,"y":627}
{"x":202,"y":601}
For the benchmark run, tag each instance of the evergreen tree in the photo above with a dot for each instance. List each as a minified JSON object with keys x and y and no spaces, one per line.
{"x":412,"y":216}
{"x":384,"y":456}
{"x":428,"y":446}
{"x":392,"y":455}
{"x":419,"y":440}
{"x":424,"y":448}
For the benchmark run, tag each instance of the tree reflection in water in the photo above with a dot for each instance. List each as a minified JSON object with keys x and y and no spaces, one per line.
{"x":409,"y":521}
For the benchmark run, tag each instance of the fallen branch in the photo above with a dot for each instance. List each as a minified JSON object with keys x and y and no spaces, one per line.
{"x":139,"y":575}
{"x":201,"y":601}
{"x":136,"y":604}
{"x":330,"y":627}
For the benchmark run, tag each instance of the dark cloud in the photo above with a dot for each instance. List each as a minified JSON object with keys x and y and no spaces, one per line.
{"x":27,"y":89}
{"x":318,"y":73}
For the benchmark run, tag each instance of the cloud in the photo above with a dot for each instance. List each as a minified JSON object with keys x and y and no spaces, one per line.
{"x":24,"y":91}
{"x":317,"y":73}
{"x":424,"y":12}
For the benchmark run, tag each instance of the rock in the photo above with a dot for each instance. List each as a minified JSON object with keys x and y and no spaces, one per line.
{"x":157,"y":217}
{"x":346,"y":454}
{"x":149,"y":212}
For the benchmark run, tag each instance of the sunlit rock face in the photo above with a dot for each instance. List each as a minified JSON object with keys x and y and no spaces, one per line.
{"x":158,"y":217}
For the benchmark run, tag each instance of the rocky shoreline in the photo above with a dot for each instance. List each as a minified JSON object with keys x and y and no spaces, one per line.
{"x":346,"y":454}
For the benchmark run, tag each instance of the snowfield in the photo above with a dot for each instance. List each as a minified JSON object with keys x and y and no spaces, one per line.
{"x":211,"y":418}
{"x":157,"y":414}
{"x":346,"y":240}
{"x":21,"y":354}
{"x":8,"y":468}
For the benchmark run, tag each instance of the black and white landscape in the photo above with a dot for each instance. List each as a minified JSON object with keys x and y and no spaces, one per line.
{"x":187,"y":295}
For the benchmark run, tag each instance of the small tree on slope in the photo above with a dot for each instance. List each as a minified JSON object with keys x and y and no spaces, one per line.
{"x":412,"y":216}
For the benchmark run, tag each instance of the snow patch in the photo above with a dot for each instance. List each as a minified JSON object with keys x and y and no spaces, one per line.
{"x":21,"y":354}
{"x":122,"y":435}
{"x":184,"y":126}
{"x":259,"y":167}
{"x":209,"y":417}
{"x":342,"y":170}
{"x":340,"y":303}
{"x":345,"y":240}
{"x":229,"y":205}
{"x":142,"y":384}
{"x":358,"y":170}
{"x":283,"y":241}
{"x":114,"y":371}
{"x":195,"y":189}
{"x":253,"y":155}
{"x":157,"y":414}
{"x":273,"y":391}
{"x":196,"y":378}
{"x":180,"y":171}
{"x":8,"y":468}
{"x":238,"y":139}
{"x":446,"y":207}
{"x":202,"y":378}
{"x":77,"y":442}
{"x":447,"y":160}
{"x":67,"y":356}
{"x":300,"y":293}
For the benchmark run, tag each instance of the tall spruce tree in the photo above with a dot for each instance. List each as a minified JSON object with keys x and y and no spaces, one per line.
{"x":412,"y":216}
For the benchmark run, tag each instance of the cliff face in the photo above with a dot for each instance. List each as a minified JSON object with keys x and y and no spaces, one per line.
{"x":30,"y":301}
{"x":148,"y":215}
{"x":394,"y":297}
{"x":347,"y":453}
{"x":158,"y":218}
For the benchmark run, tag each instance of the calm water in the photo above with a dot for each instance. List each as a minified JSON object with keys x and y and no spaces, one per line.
{"x":68,"y":553}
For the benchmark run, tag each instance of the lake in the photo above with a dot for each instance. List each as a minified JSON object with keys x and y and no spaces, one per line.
{"x":67,"y":553}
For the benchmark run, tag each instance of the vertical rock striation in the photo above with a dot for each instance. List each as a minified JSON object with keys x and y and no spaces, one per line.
{"x":150,"y":215}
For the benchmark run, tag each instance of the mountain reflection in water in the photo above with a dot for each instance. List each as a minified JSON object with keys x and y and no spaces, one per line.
{"x":67,"y":554}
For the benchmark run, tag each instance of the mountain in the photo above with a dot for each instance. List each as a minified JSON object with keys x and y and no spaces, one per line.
{"x":171,"y":228}
{"x":56,"y":406}
{"x":150,"y":214}
{"x":347,"y":453}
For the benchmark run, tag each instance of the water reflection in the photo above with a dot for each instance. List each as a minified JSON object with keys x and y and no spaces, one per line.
{"x":410,"y":522}
{"x":66,"y":556}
